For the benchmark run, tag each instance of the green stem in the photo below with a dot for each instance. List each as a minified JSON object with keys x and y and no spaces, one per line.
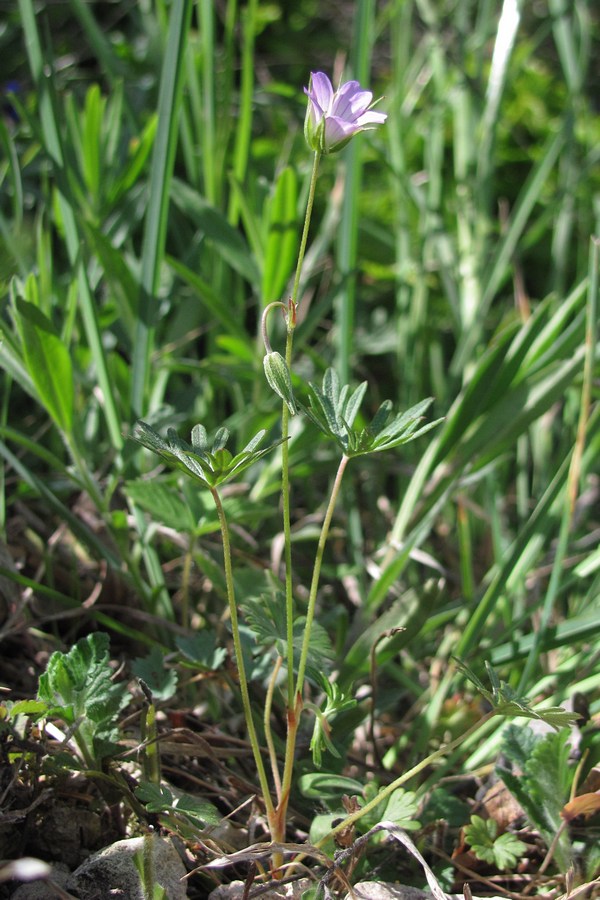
{"x":268,"y":731}
{"x":237,"y":644}
{"x":402,"y":779}
{"x":285,"y":433}
{"x":295,"y":711}
{"x":294,"y":704}
{"x":305,"y":230}
{"x":312,"y":596}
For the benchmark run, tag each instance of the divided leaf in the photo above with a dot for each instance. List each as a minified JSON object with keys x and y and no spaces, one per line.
{"x":503,"y":851}
{"x":507,"y":703}
{"x":541,"y":783}
{"x":77,"y":688}
{"x":209,"y":467}
{"x":161,"y":681}
{"x":265,"y":616}
{"x":333,"y":410}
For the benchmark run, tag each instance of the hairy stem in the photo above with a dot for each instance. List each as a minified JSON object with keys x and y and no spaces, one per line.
{"x":295,"y":712}
{"x":294,"y":703}
{"x":314,"y":585}
{"x":237,"y":644}
{"x":268,"y":732}
{"x":390,"y":788}
{"x":285,"y":432}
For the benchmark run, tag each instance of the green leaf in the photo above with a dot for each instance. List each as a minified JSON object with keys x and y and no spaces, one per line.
{"x":164,"y":504}
{"x":210,"y":468}
{"x":48,"y":363}
{"x":33,"y":708}
{"x":327,"y":785}
{"x":505,"y":700}
{"x":159,"y":798}
{"x":202,"y":650}
{"x":91,"y":144}
{"x":200,"y":811}
{"x":549,"y":777}
{"x":78,"y":687}
{"x":152,"y":670}
{"x":518,"y":742}
{"x":265,"y":616}
{"x":279,"y":379}
{"x":155,"y":797}
{"x":172,"y":81}
{"x":333,"y":410}
{"x":228,"y":241}
{"x":335,"y":702}
{"x":401,"y":808}
{"x":543,"y":786}
{"x":504,"y":851}
{"x":280,"y":252}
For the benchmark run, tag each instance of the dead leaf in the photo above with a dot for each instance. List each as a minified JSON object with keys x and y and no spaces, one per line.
{"x":583,"y":805}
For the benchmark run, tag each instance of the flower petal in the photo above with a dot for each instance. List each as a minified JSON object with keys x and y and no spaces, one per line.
{"x":344,"y":98}
{"x":338,"y":130}
{"x":332,"y":118}
{"x":320,"y":91}
{"x":371,"y":117}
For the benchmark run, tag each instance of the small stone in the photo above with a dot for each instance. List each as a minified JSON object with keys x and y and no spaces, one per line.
{"x":113,"y":872}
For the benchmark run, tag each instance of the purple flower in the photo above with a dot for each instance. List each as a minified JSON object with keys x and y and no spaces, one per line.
{"x":333,"y":117}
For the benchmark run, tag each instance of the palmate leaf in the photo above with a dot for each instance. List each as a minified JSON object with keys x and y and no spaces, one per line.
{"x":505,"y":700}
{"x":336,"y":701}
{"x":78,"y":689}
{"x":333,"y":410}
{"x":265,"y":616}
{"x":503,"y":851}
{"x":543,"y":784}
{"x":210,"y":467}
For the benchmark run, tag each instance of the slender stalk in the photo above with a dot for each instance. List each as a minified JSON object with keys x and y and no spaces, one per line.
{"x":268,"y":731}
{"x":285,"y":431}
{"x":402,"y":779}
{"x":312,"y":596}
{"x":294,"y":701}
{"x":294,"y":713}
{"x":185,"y":582}
{"x":305,"y":230}
{"x":237,"y":644}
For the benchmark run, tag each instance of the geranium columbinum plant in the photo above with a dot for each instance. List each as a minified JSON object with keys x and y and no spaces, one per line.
{"x":333,"y":117}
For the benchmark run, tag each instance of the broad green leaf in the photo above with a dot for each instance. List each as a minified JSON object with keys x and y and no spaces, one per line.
{"x":78,"y":688}
{"x":155,"y":797}
{"x":163,"y":502}
{"x":327,"y":785}
{"x":281,"y":248}
{"x":49,"y":364}
{"x":198,"y":810}
{"x":401,"y":808}
{"x":161,"y":681}
{"x":202,"y":650}
{"x":503,"y":851}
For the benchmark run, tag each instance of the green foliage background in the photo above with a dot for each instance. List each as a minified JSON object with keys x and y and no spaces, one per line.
{"x":153,"y":182}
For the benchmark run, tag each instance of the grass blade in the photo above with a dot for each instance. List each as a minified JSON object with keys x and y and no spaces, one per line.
{"x":171,"y":85}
